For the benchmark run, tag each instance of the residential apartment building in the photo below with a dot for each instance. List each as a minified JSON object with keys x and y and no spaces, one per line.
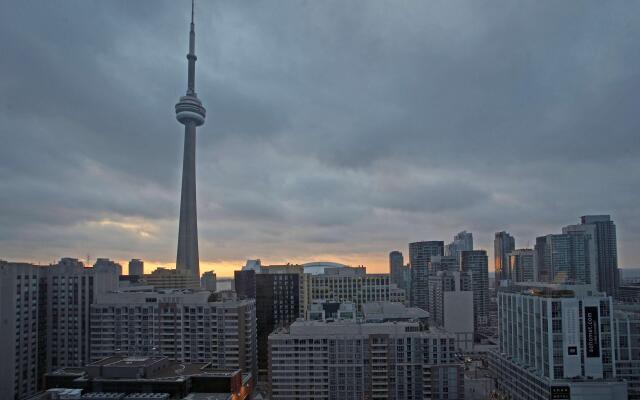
{"x":136,"y":267}
{"x":451,"y":305}
{"x":503,"y":244}
{"x":556,"y":340}
{"x":356,"y":360}
{"x":462,"y":241}
{"x":475,"y":263}
{"x":420,"y":254}
{"x":567,"y":258}
{"x":209,"y":282}
{"x":107,"y":266}
{"x":522,"y":267}
{"x":606,"y":244}
{"x":23,"y":319}
{"x":180,"y":324}
{"x":71,"y":289}
{"x":350,"y":285}
{"x":629,"y":293}
{"x":627,"y":346}
{"x":444,"y":263}
{"x":399,"y":272}
{"x":44,"y":316}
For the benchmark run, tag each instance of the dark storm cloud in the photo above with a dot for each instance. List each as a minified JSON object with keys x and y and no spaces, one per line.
{"x":332,"y":128}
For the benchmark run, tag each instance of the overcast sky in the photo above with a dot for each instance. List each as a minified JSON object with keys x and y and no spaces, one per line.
{"x":336,"y":130}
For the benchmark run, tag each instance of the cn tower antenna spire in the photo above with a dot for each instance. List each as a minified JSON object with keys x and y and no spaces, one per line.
{"x":190,"y":113}
{"x":191,"y":77}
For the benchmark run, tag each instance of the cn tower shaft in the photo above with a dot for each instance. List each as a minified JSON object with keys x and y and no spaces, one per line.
{"x":190,"y":113}
{"x":188,"y":257}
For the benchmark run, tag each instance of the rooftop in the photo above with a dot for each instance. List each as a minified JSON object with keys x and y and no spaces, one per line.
{"x":385,"y":310}
{"x":119,"y":361}
{"x":144,"y":368}
{"x":354,"y":328}
{"x":551,"y":290}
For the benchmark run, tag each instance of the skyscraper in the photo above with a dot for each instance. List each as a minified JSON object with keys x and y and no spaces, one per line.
{"x":190,"y":113}
{"x":503,"y":244}
{"x":420,"y":254}
{"x":396,"y":262}
{"x":475,"y":262}
{"x":566,"y":258}
{"x":462,"y":241}
{"x":606,"y":252}
{"x":398,"y":271}
{"x":443,"y":263}
{"x":521,"y":265}
{"x":277,"y":297}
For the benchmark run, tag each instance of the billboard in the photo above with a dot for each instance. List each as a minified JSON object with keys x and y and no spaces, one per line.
{"x":591,"y":332}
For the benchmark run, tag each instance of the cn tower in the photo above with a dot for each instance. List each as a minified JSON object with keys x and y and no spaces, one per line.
{"x":191,"y":114}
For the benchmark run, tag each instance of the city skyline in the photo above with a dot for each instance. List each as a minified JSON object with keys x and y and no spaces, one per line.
{"x":307,"y":156}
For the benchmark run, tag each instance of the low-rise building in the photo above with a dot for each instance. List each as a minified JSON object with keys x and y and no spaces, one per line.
{"x":148,"y":377}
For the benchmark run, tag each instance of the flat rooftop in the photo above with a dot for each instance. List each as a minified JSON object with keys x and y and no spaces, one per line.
{"x":155,"y":368}
{"x":119,"y":361}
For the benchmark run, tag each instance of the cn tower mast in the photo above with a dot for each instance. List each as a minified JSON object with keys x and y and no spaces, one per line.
{"x":190,"y":113}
